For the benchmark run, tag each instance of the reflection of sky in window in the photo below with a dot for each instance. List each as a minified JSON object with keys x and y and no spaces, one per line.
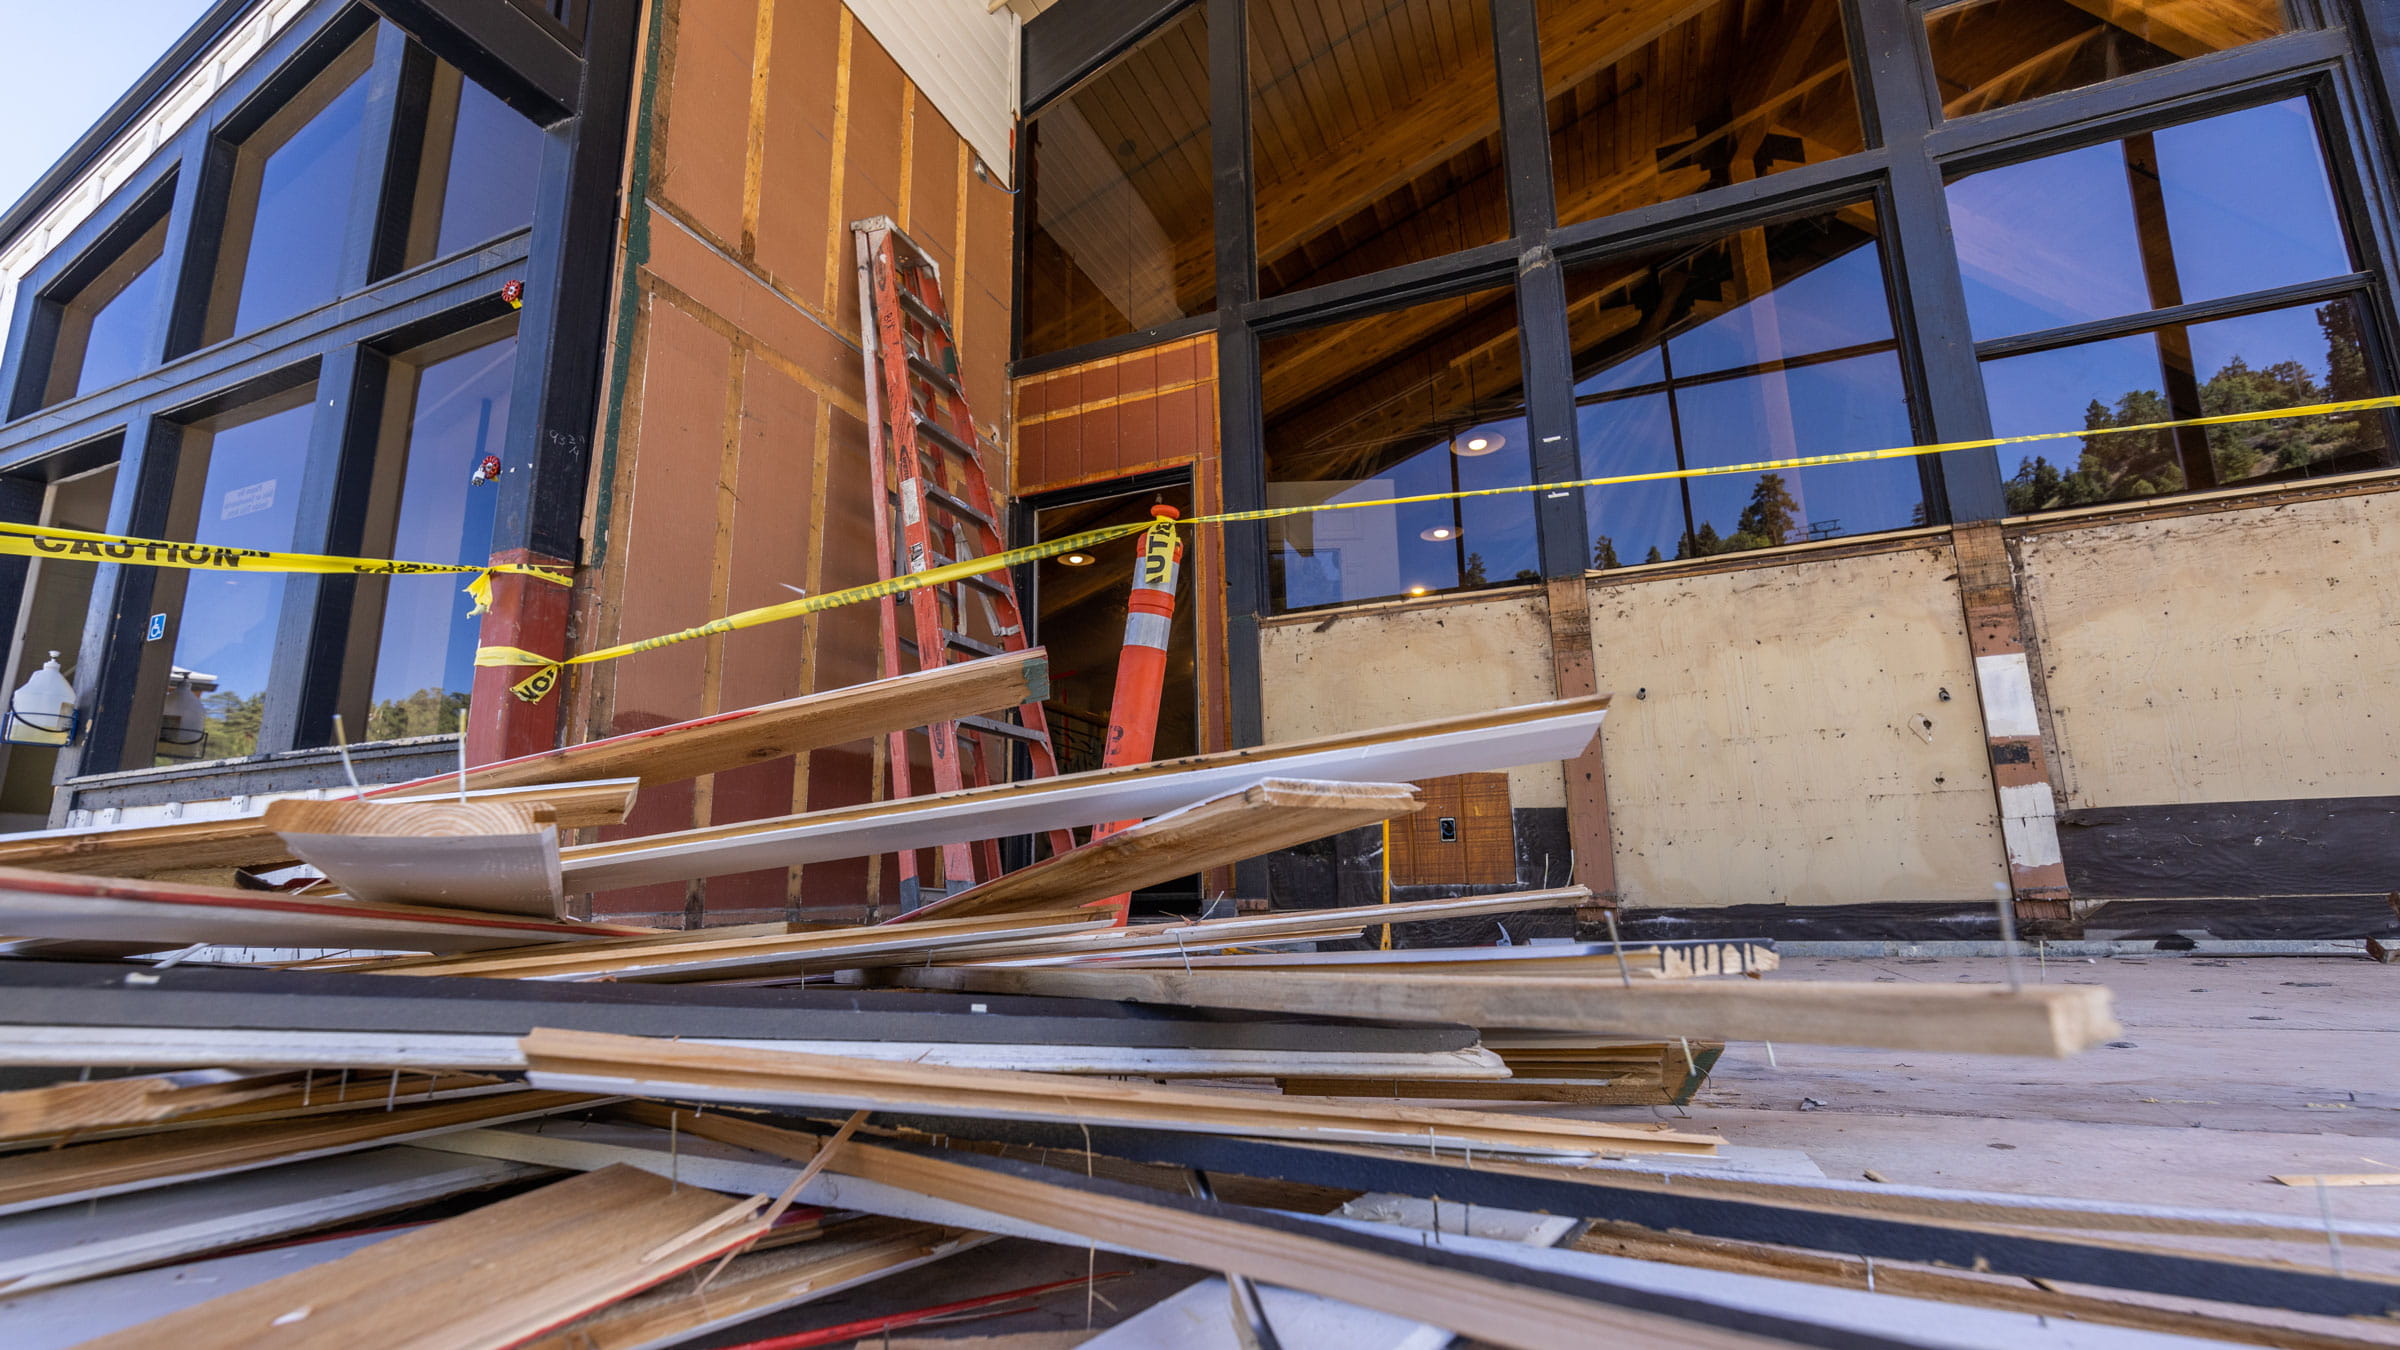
{"x":495,"y":160}
{"x":2049,"y":391}
{"x":2052,"y":241}
{"x":1837,"y":303}
{"x":2261,"y":340}
{"x":1647,"y":366}
{"x":116,"y":347}
{"x":2048,"y":243}
{"x":460,"y":415}
{"x":2247,"y":202}
{"x":1857,"y":404}
{"x":250,"y":499}
{"x":295,"y":245}
{"x":1626,"y":436}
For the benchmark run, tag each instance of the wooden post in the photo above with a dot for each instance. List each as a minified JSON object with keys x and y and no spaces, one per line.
{"x":2037,"y":877}
{"x":1574,"y":674}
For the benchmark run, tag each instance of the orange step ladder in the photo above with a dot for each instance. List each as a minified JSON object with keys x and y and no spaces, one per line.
{"x":933,"y":505}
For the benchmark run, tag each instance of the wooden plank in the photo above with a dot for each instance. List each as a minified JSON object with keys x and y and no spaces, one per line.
{"x":702,"y":956}
{"x":1662,"y":960}
{"x":763,"y":1282}
{"x":1902,"y":1280}
{"x":1269,"y":815}
{"x":247,"y":840}
{"x":1289,"y":925}
{"x":1494,"y":740}
{"x":2340,"y":1179}
{"x":1505,"y":1311}
{"x":157,"y":915}
{"x":484,"y":1280}
{"x":85,"y":1171}
{"x":648,"y":1067}
{"x":492,"y":857}
{"x":101,"y":1103}
{"x":81,"y":1242}
{"x":730,"y":740}
{"x":2049,"y":1020}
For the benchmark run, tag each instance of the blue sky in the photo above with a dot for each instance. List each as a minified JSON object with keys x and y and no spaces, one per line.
{"x":63,"y":64}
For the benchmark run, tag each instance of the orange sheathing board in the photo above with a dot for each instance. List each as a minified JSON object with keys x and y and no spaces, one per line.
{"x":797,"y":168}
{"x":707,"y":112}
{"x":670,"y":524}
{"x":714,"y":283}
{"x":773,"y":495}
{"x":870,"y":162}
{"x":933,"y":190}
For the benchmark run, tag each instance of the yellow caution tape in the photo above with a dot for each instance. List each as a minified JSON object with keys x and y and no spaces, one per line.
{"x":534,"y":687}
{"x":539,"y":684}
{"x":42,"y":541}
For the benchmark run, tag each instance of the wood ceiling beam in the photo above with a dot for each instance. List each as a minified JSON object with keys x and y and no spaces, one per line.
{"x":2188,"y":28}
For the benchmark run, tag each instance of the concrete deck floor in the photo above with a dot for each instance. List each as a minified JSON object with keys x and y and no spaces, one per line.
{"x":2230,"y":1070}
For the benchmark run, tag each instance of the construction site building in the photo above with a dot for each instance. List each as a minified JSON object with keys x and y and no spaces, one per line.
{"x":573,"y":282}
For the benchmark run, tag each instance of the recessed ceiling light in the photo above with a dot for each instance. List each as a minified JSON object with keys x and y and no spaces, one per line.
{"x":1076,"y":559}
{"x":1438,"y":534}
{"x":1416,"y":590}
{"x":1481,"y":443}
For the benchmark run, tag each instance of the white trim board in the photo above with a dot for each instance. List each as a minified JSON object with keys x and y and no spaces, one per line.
{"x":1543,"y":733}
{"x":209,"y":1047}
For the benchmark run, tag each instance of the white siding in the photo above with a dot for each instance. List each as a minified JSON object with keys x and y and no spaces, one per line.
{"x":964,"y":59}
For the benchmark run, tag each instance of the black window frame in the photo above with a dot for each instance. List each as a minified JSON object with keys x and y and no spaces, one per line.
{"x":567,"y":65}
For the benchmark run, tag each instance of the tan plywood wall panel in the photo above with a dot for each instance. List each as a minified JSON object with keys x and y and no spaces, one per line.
{"x":1793,"y":746}
{"x":1358,"y":669}
{"x":2243,"y":656}
{"x":731,"y":459}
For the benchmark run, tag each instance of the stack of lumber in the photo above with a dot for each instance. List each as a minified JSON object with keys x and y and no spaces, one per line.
{"x":445,"y":1111}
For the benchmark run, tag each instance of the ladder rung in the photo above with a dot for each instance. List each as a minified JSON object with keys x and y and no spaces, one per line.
{"x":968,"y":644}
{"x":1000,"y":728}
{"x":943,"y":436}
{"x":935,"y":375}
{"x":915,"y":304}
{"x":954,"y":504}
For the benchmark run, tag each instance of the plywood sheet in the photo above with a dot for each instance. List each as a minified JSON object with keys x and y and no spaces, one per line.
{"x":1783,"y":736}
{"x":2244,"y":656}
{"x":1322,"y":675}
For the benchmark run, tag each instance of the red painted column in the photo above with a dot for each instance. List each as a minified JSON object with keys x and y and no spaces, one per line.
{"x":529,"y":613}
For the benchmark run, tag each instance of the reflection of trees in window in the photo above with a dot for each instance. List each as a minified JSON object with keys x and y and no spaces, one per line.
{"x":231,"y":727}
{"x":2123,"y":466}
{"x":427,"y":712}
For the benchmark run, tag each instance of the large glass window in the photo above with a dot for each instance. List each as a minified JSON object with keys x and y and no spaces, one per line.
{"x":1376,"y":135}
{"x":1428,"y":399}
{"x":480,"y":166}
{"x":1120,"y":196}
{"x":2209,"y":211}
{"x":1672,"y":99}
{"x":2202,"y":211}
{"x":105,"y":333}
{"x":1771,"y":343}
{"x":445,"y":411}
{"x":288,"y":209}
{"x":237,"y":485}
{"x":1991,"y":53}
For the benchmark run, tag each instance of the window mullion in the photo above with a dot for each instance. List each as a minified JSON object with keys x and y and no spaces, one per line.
{"x":312,"y":628}
{"x":1931,"y":296}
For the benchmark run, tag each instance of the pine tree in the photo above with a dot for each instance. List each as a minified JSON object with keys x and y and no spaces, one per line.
{"x":1654,"y":556}
{"x":1472,"y":574}
{"x":1604,"y":553}
{"x":1769,"y":519}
